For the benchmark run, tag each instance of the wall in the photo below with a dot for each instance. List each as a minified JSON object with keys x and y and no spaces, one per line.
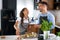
{"x":0,"y":12}
{"x":0,"y":4}
{"x":25,"y":3}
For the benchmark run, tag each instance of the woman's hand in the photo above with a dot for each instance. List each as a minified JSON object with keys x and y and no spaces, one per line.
{"x":37,"y":26}
{"x":17,"y":32}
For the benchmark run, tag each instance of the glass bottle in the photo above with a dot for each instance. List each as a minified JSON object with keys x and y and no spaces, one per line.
{"x":57,"y":7}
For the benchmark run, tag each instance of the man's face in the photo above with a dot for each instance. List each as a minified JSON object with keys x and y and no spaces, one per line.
{"x":42,"y":7}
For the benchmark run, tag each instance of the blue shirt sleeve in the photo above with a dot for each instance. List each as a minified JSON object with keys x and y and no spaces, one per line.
{"x":51,"y":18}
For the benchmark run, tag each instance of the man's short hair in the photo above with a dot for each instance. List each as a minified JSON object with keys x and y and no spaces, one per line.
{"x":42,"y":2}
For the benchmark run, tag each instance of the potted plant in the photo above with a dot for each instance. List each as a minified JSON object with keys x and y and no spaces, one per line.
{"x":45,"y":27}
{"x":58,"y":35}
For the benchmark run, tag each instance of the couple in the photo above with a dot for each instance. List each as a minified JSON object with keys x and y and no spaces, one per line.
{"x":24,"y":19}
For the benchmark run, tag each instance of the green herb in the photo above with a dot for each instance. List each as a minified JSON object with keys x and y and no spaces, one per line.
{"x":45,"y":26}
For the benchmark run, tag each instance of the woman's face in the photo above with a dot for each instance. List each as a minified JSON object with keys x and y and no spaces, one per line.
{"x":26,"y":12}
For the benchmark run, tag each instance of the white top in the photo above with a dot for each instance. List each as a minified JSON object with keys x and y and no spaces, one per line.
{"x":25,"y":20}
{"x":19,"y":21}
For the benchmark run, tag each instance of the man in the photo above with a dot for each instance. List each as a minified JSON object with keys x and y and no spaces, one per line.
{"x":43,"y":6}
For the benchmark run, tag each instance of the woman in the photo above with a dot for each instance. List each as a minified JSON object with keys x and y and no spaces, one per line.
{"x":22,"y":22}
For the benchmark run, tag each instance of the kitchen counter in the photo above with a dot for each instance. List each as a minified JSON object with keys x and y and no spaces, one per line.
{"x":14,"y":37}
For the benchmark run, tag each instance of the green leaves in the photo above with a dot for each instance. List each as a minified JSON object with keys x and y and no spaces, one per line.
{"x":58,"y":33}
{"x":45,"y":26}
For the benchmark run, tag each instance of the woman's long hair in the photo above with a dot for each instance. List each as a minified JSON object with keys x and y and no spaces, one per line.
{"x":22,"y":15}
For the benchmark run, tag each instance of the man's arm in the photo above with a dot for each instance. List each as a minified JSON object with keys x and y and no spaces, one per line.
{"x":52,"y":19}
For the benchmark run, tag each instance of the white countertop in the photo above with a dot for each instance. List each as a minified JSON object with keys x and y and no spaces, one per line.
{"x":14,"y":37}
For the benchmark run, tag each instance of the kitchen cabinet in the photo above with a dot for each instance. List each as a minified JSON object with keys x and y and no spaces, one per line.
{"x":50,"y":4}
{"x":57,"y":4}
{"x":8,"y":19}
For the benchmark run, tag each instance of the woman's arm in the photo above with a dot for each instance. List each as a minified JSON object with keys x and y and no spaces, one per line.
{"x":16,"y":27}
